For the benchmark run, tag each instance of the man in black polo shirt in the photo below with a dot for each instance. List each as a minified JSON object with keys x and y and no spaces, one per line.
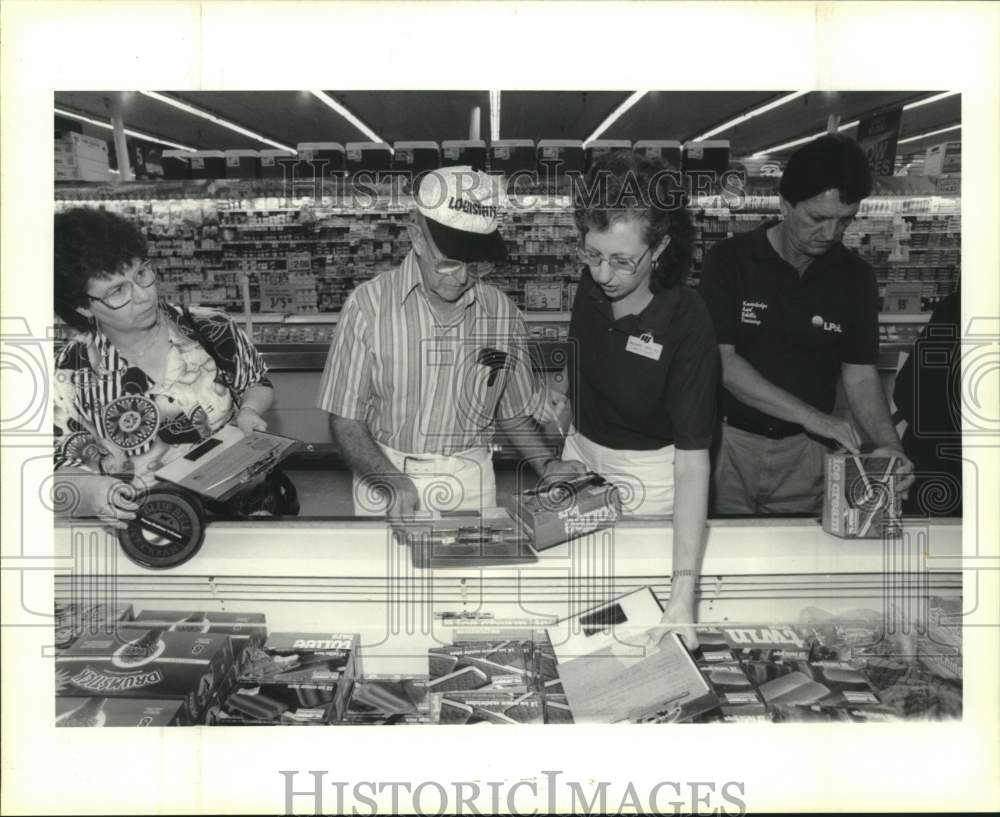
{"x":794,"y":310}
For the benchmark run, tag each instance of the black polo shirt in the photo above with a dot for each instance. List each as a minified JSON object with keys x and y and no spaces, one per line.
{"x":795,"y":331}
{"x":637,"y":402}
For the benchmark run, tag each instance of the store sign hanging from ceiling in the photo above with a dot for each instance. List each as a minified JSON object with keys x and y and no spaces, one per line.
{"x":877,"y":136}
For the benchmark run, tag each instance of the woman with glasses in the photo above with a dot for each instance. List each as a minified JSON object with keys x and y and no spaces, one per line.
{"x":142,"y":381}
{"x":642,"y":383}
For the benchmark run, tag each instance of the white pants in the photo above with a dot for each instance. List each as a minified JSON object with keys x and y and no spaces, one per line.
{"x":464,"y":481}
{"x":645,"y":479}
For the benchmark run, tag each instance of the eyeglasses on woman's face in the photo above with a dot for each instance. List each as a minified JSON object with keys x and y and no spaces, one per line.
{"x":623,"y":264}
{"x":120,"y":295}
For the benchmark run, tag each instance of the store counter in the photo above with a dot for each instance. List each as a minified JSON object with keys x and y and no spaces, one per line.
{"x":353,"y":575}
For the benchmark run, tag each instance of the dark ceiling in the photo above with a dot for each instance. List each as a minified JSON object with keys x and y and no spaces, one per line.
{"x":290,"y":117}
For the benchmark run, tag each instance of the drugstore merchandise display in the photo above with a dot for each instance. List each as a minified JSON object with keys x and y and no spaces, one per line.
{"x":289,"y":263}
{"x":118,"y":665}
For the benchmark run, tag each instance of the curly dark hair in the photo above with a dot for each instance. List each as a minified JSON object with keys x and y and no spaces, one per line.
{"x":831,"y":162}
{"x":89,"y":243}
{"x":625,"y":185}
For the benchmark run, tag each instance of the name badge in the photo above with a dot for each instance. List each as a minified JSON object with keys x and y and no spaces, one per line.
{"x":645,"y":346}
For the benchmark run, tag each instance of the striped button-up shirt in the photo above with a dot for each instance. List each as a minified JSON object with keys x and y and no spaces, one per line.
{"x":420,"y":386}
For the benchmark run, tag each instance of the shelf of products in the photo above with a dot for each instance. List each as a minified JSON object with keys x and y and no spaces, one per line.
{"x":300,"y":259}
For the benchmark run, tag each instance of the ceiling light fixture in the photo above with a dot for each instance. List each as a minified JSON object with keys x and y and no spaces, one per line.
{"x":770,"y":106}
{"x":330,"y":102}
{"x":494,"y":115}
{"x":929,"y":100}
{"x":218,"y":120}
{"x":925,"y":135}
{"x":795,"y":143}
{"x":607,"y":123}
{"x":128,"y":131}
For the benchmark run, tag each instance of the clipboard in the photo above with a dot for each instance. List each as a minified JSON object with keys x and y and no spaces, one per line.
{"x":222,"y":465}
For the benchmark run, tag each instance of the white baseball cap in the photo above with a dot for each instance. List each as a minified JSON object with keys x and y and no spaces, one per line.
{"x":462,"y":207}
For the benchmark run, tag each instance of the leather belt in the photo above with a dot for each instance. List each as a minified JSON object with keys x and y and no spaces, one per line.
{"x":771,"y":432}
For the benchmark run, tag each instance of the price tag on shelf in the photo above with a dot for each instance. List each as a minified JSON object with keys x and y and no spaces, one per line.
{"x":277,"y":297}
{"x":298,"y":262}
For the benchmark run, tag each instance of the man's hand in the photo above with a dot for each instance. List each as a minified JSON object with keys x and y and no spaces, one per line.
{"x":403,"y":496}
{"x":903,"y":469}
{"x":554,"y":405}
{"x":107,"y":498}
{"x":249,"y":420}
{"x":558,"y":469}
{"x":833,"y":428}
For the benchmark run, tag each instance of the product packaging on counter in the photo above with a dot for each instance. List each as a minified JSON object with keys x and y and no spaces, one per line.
{"x":74,"y":620}
{"x":119,"y":712}
{"x":479,"y":664}
{"x":738,"y":697}
{"x":389,"y":700}
{"x":466,"y":540}
{"x":147,"y":664}
{"x":567,"y":510}
{"x":295,"y":678}
{"x":860,"y":499}
{"x":497,"y":706}
{"x":245,"y":629}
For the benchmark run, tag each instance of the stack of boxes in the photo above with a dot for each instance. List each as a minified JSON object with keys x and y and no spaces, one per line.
{"x":81,"y":158}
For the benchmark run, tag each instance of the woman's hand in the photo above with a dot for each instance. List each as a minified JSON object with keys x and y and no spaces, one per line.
{"x":679,"y":616}
{"x":249,"y":420}
{"x":91,"y":495}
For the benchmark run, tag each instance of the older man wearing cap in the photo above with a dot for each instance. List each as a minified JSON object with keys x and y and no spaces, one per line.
{"x":428,"y":360}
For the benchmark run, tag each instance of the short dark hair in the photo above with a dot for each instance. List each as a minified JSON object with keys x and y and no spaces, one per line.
{"x":832,"y":162}
{"x":89,"y":243}
{"x":625,"y":185}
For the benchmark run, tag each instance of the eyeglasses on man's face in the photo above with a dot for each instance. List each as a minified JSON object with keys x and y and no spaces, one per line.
{"x":474,"y":269}
{"x":120,"y":295}
{"x":623,"y":264}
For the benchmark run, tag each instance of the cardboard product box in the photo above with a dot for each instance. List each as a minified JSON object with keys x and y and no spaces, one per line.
{"x":667,"y":150}
{"x":706,"y":157}
{"x":208,"y":164}
{"x":768,"y":642}
{"x":833,"y":714}
{"x":496,"y":664}
{"x":73,"y":620}
{"x":368,"y":156}
{"x":458,"y":152}
{"x":119,"y":712}
{"x":945,"y":157}
{"x":823,"y":683}
{"x":386,"y":700}
{"x":415,"y":157}
{"x":860,"y":499}
{"x":79,"y":141}
{"x":176,"y":164}
{"x":83,"y":170}
{"x":276,"y":164}
{"x":147,"y":161}
{"x":509,"y":156}
{"x":556,"y":709}
{"x":602,"y":146}
{"x":332,"y":153}
{"x":559,"y":157}
{"x":300,"y":674}
{"x":466,"y":540}
{"x":242,"y":164}
{"x":568,"y":510}
{"x":731,"y":685}
{"x":245,"y":629}
{"x":147,"y":664}
{"x":486,"y":706}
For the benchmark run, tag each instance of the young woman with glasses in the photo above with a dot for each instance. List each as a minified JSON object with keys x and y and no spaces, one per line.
{"x":143,"y":380}
{"x":643,"y":373}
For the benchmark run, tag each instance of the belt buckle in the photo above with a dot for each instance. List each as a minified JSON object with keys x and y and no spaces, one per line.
{"x":419,"y":466}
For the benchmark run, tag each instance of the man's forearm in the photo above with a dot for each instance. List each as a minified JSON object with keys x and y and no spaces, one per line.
{"x":529,"y":442}
{"x":752,"y":388}
{"x":258,"y":397}
{"x":359,"y":448}
{"x":868,"y":405}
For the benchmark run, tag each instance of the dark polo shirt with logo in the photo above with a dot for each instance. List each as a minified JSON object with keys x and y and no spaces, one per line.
{"x":795,"y":331}
{"x":627,"y":394}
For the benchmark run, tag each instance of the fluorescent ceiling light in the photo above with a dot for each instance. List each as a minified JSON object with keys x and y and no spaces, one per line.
{"x":607,"y":123}
{"x":795,"y":143}
{"x":137,"y":134}
{"x":925,"y":135}
{"x":218,"y":120}
{"x":330,"y":102}
{"x":770,"y":106}
{"x":929,"y":100}
{"x":494,"y":115}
